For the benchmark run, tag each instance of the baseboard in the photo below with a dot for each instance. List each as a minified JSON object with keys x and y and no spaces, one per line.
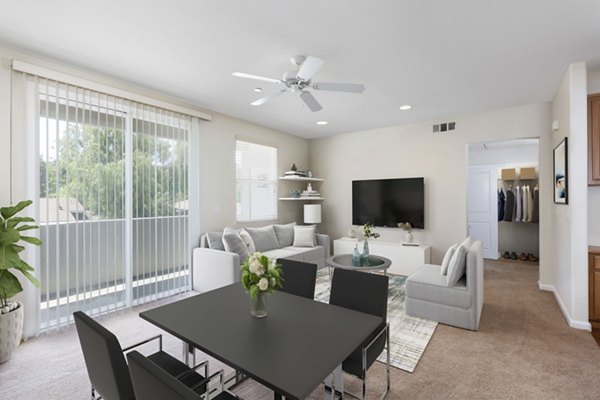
{"x":573,"y":323}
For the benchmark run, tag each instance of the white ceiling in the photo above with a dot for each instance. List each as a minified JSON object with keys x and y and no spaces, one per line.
{"x":442,"y":57}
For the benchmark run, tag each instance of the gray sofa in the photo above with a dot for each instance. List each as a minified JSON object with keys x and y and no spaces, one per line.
{"x":428,"y":296}
{"x":213,"y":267}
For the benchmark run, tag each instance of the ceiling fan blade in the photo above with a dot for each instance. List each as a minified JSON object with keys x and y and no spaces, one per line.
{"x":310,"y":101}
{"x":339,"y":87}
{"x":256,"y":77}
{"x":309,"y":67}
{"x":263,"y":100}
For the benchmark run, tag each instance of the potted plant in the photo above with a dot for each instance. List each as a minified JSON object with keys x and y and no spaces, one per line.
{"x":11,"y":312}
{"x":406,"y":226}
{"x":368,"y":232}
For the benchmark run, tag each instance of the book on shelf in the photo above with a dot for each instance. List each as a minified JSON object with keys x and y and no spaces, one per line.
{"x":295,"y":173}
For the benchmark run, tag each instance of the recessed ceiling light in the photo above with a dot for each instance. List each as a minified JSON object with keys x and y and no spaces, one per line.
{"x":257,"y":90}
{"x":322,"y":122}
{"x":405,"y":107}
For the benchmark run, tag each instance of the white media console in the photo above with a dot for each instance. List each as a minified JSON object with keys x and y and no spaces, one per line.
{"x":405,"y":259}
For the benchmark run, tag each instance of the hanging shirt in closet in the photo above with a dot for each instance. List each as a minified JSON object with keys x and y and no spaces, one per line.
{"x":518,"y":204}
{"x":524,"y":199}
{"x":501,"y":201}
{"x":529,"y":204}
{"x":509,"y":205}
{"x":535,"y":215}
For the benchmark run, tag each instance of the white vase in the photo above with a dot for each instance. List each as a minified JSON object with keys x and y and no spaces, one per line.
{"x":11,"y":329}
{"x":409,"y":237}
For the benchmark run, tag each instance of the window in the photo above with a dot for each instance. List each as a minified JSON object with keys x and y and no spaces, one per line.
{"x":113,"y":198}
{"x":256,"y":181}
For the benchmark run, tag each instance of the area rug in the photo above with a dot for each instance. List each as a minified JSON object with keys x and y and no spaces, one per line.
{"x":409,"y":336}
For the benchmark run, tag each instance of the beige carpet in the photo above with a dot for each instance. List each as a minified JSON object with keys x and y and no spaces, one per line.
{"x":523,"y":350}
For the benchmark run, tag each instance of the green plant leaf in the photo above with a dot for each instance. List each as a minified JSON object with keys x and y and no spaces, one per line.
{"x":8,"y":212}
{"x":17,"y":220}
{"x":9,"y":258}
{"x":25,"y":268}
{"x":32,"y":240}
{"x":18,"y":248}
{"x":9,"y":285}
{"x":27,"y":227}
{"x":9,"y":236}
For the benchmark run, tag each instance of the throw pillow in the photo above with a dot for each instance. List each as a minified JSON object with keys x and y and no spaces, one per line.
{"x":467,"y":243}
{"x":304,"y":236}
{"x":285,"y":234}
{"x":215,"y":240}
{"x":447,"y":258}
{"x":247,"y":239}
{"x":264,"y":238}
{"x":457,"y":266}
{"x":234,"y":244}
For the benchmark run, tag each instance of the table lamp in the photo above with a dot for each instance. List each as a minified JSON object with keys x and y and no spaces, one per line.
{"x":312,"y":213}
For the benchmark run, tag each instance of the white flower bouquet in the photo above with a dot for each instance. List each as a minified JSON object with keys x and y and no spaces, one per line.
{"x":261,"y":275}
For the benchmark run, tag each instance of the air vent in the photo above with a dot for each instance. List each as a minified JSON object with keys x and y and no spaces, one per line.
{"x":444,"y":127}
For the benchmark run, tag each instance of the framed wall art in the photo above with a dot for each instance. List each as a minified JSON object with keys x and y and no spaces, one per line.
{"x":561,"y":173}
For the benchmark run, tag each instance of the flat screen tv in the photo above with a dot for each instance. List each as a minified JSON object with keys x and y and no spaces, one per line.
{"x":385,"y":202}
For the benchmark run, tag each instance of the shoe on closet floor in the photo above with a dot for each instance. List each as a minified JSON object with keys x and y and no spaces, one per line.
{"x":513,"y":255}
{"x":532,"y":258}
{"x":523,"y":257}
{"x":506,"y":255}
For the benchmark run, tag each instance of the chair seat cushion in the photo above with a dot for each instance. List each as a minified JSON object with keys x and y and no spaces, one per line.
{"x":428,"y":284}
{"x":175,"y":368}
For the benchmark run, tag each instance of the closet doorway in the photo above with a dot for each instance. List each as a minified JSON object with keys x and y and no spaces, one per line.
{"x":503,"y":198}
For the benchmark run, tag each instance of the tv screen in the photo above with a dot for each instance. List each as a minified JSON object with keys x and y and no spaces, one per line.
{"x":385,"y":202}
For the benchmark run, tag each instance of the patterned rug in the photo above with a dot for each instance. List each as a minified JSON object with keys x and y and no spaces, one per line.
{"x":408,"y":335}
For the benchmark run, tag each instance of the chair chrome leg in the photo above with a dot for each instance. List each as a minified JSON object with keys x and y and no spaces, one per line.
{"x":388,"y":360}
{"x":364,"y":373}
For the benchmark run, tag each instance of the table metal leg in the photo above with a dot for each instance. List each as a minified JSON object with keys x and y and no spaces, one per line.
{"x":334,"y":384}
{"x":189,"y":357}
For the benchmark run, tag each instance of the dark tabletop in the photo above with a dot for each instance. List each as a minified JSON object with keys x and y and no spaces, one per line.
{"x":292,"y":350}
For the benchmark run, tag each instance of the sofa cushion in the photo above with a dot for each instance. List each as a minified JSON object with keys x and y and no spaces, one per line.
{"x":284,"y":253}
{"x":233,"y":243}
{"x":285,"y":234}
{"x":447,"y":258}
{"x":264,"y":238}
{"x":214,"y":240}
{"x":309,"y":254}
{"x":304,"y":236}
{"x":427,"y":284}
{"x":457,"y":266}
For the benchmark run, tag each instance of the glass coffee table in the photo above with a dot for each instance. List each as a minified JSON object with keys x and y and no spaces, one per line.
{"x":370,"y":263}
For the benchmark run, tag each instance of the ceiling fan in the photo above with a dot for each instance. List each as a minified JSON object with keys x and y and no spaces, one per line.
{"x":300,"y":81}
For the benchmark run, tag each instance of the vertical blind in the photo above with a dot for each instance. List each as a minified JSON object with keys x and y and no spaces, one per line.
{"x":113,"y":201}
{"x":256,"y":181}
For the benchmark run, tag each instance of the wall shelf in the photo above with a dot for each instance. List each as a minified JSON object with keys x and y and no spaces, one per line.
{"x":302,"y":198}
{"x":300,"y":179}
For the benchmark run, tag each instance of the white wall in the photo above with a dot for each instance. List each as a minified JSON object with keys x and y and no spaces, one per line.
{"x":593,"y":86}
{"x":414,"y":151}
{"x":569,"y":107}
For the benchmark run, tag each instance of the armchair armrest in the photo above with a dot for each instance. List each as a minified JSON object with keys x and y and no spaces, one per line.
{"x":212,"y":269}
{"x":323,"y":240}
{"x":159,"y":337}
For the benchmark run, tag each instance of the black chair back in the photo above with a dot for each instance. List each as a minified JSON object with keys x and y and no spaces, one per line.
{"x":299,"y":278}
{"x":104,"y":359}
{"x":360,"y":291}
{"x":151,"y":382}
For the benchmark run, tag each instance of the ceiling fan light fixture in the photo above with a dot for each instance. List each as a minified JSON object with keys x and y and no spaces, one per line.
{"x":258,"y":90}
{"x":405,"y":107}
{"x":322,"y":123}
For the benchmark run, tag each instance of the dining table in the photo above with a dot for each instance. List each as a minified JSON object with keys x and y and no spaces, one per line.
{"x":292,"y":350}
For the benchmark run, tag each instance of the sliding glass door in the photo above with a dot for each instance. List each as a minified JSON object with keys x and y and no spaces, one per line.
{"x":113,"y":201}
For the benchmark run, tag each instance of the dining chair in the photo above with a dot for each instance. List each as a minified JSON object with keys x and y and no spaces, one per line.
{"x":151,"y":382}
{"x":367,"y":293}
{"x":106,"y":365}
{"x":299,"y":277}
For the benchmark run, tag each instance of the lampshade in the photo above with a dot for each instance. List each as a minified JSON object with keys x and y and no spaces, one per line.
{"x":312,"y":213}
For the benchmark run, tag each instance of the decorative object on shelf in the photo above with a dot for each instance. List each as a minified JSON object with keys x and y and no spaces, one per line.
{"x":368,"y":233}
{"x":295,"y":193}
{"x":351,"y":233}
{"x":309,"y":174}
{"x":11,"y":312}
{"x":561,"y":173}
{"x":294,"y":168}
{"x":406,"y":226}
{"x":260,"y":276}
{"x":312,"y":213}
